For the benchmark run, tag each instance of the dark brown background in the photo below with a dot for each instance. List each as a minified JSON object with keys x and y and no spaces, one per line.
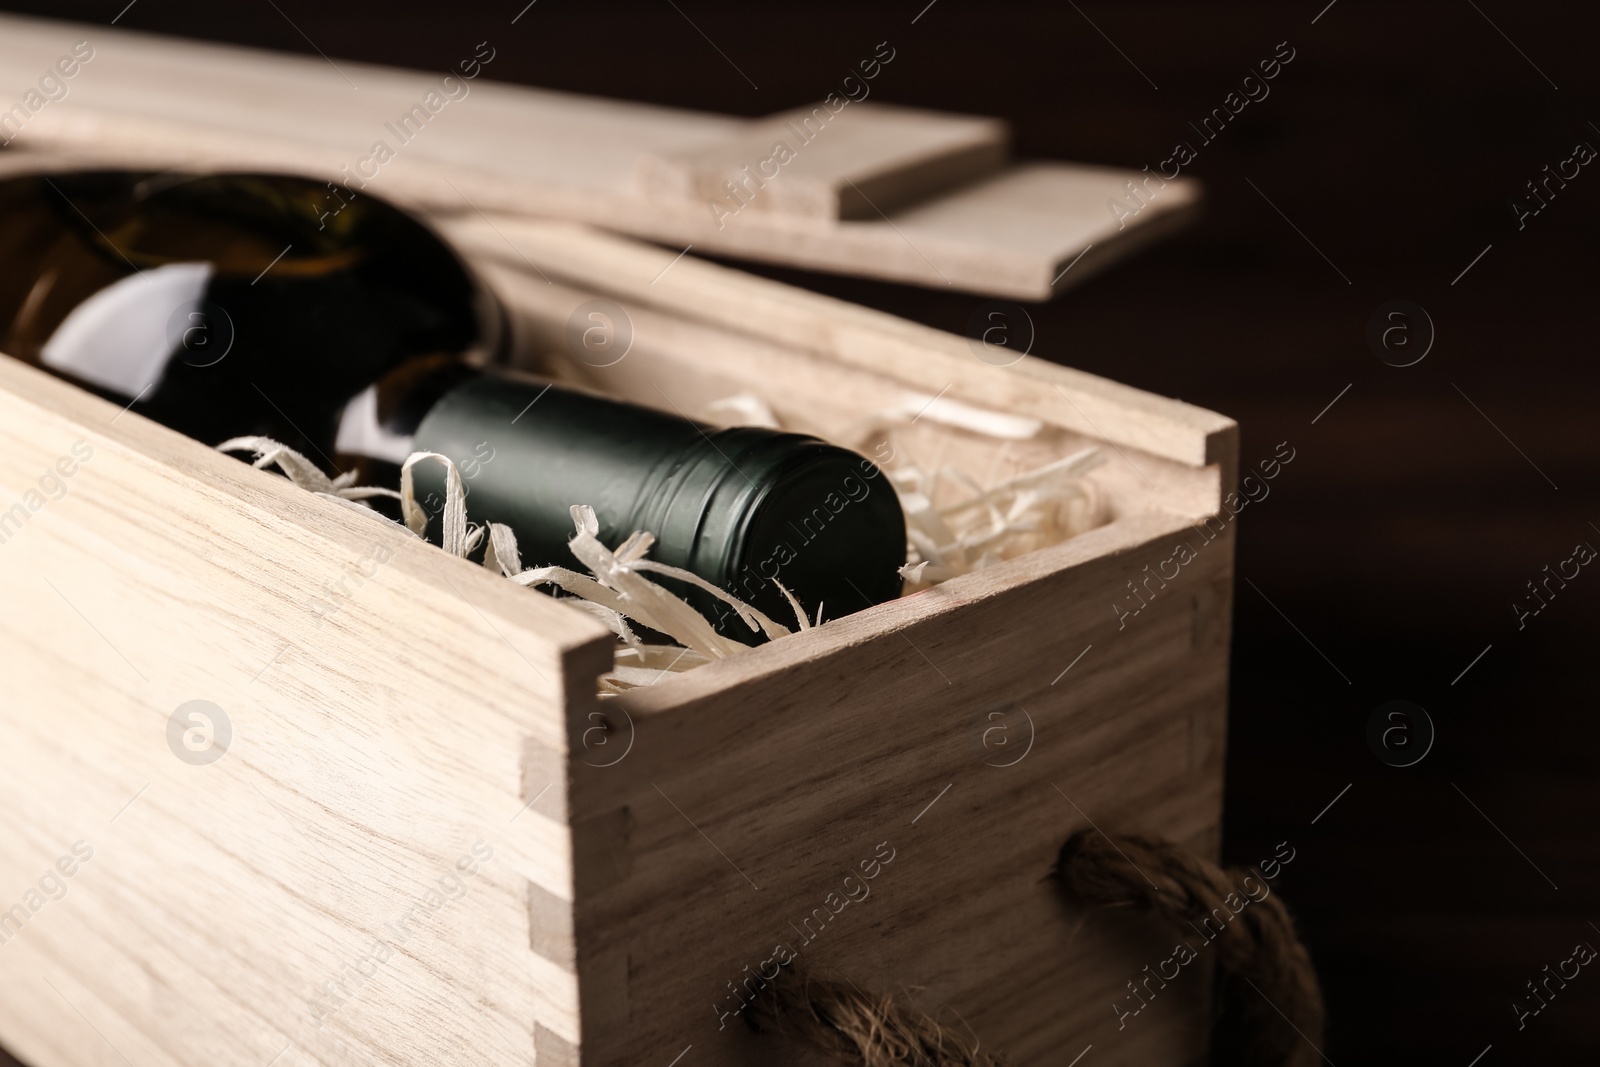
{"x":1407,"y":524}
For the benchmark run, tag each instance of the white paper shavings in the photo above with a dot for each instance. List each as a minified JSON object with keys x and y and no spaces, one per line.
{"x":985,"y":524}
{"x":983,"y":421}
{"x":742,"y":409}
{"x":615,"y":591}
{"x":912,"y":572}
{"x":301,"y":471}
{"x":1041,"y":507}
{"x":619,"y":584}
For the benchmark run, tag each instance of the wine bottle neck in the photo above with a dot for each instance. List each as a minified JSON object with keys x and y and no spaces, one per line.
{"x":381,"y":421}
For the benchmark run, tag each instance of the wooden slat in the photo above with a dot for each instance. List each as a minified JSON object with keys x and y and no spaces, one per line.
{"x":683,"y":366}
{"x":510,"y":150}
{"x":825,"y":164}
{"x":922,"y":358}
{"x":755,"y":785}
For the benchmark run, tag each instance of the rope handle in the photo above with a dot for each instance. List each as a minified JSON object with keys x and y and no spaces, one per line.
{"x":1258,"y":956}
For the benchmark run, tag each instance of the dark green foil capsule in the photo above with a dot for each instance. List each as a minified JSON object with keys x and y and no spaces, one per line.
{"x":743,"y":508}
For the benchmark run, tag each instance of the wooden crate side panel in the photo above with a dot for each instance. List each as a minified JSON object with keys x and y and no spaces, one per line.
{"x":919,"y":357}
{"x":744,"y":803}
{"x":350,"y":879}
{"x":681,"y":365}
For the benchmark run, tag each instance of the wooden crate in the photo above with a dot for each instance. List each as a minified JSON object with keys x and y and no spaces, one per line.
{"x":428,"y":841}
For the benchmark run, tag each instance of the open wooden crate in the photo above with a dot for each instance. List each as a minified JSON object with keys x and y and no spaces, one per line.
{"x":428,"y":841}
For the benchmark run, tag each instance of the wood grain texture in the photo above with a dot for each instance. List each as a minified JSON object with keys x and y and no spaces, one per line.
{"x":826,"y":163}
{"x":754,"y":786}
{"x":370,"y":753}
{"x":845,"y":335}
{"x":509,"y":150}
{"x":684,"y":366}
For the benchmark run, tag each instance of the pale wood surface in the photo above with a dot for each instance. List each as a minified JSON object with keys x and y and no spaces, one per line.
{"x":853,"y":163}
{"x":793,"y":763}
{"x":369,"y":753}
{"x":511,"y":150}
{"x":846,"y":335}
{"x":684,"y":366}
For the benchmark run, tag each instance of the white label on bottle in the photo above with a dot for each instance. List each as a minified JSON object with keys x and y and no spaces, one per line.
{"x":361,"y":434}
{"x":117,"y":339}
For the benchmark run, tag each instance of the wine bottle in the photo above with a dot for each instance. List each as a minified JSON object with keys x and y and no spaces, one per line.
{"x":241,"y":304}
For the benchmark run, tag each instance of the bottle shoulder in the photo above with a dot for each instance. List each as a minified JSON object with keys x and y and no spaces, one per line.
{"x":231,"y":304}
